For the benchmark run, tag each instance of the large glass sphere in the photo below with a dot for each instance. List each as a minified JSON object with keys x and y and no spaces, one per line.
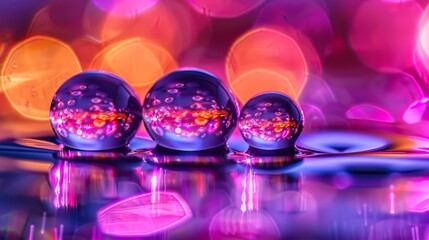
{"x":190,"y":110}
{"x":271,"y":121}
{"x":95,"y":111}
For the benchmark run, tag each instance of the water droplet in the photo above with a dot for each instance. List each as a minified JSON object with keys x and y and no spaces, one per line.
{"x":71,"y":102}
{"x":186,"y":119}
{"x":76,"y":93}
{"x":197,"y":106}
{"x":60,"y":105}
{"x":202,"y":92}
{"x":95,"y":108}
{"x":197,"y":98}
{"x":277,"y":119}
{"x":271,"y":129}
{"x":110,"y":129}
{"x":213,"y":126}
{"x":90,"y":119}
{"x":156,"y":102}
{"x":101,"y":94}
{"x":172,"y":91}
{"x":99,"y":123}
{"x":201,"y":121}
{"x":169,"y":100}
{"x":96,"y":100}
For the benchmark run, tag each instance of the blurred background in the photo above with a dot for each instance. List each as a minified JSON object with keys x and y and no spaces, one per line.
{"x":355,"y":64}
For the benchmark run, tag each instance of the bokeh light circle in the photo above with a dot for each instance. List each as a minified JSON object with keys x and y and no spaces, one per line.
{"x":278,"y":54}
{"x":171,"y":24}
{"x":306,"y":16}
{"x":138,"y":61}
{"x":33,"y":70}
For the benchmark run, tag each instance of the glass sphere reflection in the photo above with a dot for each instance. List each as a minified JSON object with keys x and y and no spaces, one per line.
{"x":95,"y":111}
{"x":271,"y":121}
{"x":190,"y":110}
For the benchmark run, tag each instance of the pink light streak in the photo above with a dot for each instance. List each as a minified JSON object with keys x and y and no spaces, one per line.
{"x":392,"y":199}
{"x":249,"y":196}
{"x":62,"y":179}
{"x":154,"y":185}
{"x":72,"y":184}
{"x":139,"y":216}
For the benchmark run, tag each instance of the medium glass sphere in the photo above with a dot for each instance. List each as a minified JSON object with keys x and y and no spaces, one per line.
{"x":190,"y":110}
{"x":95,"y":111}
{"x":271,"y":121}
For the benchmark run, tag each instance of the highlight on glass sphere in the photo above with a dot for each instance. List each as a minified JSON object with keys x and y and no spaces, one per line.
{"x":95,"y":111}
{"x":271,"y":121}
{"x":190,"y":110}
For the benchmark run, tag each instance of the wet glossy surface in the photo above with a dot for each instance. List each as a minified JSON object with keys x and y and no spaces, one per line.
{"x":373,"y":191}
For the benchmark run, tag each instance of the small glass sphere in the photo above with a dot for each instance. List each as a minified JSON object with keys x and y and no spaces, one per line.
{"x":190,"y":110}
{"x":271,"y":121}
{"x":95,"y":111}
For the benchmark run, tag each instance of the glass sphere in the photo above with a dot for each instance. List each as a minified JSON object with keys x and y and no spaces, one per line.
{"x":190,"y":110}
{"x":271,"y":121}
{"x":95,"y":111}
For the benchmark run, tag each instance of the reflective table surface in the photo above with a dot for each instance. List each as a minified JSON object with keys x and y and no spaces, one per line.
{"x":336,"y":185}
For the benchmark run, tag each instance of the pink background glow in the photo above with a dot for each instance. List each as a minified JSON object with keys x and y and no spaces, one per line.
{"x":347,"y":65}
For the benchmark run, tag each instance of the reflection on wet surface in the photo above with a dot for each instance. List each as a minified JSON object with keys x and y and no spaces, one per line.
{"x":142,"y":215}
{"x":155,"y":193}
